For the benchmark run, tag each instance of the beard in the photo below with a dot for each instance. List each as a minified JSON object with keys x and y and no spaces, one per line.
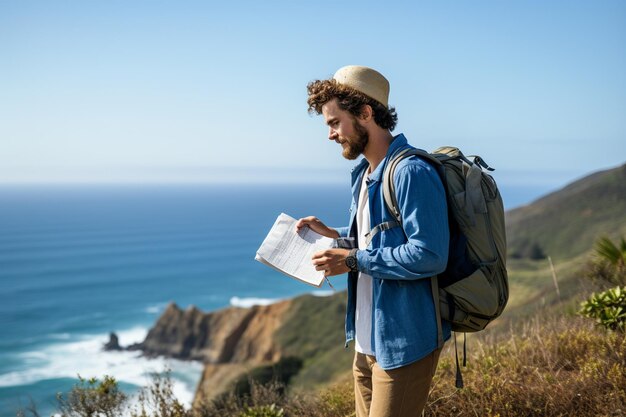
{"x":355,"y":146}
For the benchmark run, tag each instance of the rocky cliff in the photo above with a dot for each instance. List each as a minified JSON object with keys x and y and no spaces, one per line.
{"x":235,"y":341}
{"x":231,"y":335}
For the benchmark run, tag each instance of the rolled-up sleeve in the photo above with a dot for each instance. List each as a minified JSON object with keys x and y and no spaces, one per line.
{"x":343,"y":231}
{"x":422,"y":202}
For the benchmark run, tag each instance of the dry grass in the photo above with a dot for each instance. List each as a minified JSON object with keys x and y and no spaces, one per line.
{"x":562,"y":367}
{"x":335,"y":401}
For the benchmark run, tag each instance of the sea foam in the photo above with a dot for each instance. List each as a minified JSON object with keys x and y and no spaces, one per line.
{"x":84,"y":356}
{"x":156,"y":308}
{"x":323,"y":293}
{"x":248,"y":302}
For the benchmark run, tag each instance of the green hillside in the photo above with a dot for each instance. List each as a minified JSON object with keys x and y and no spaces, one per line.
{"x":564,"y":224}
{"x":314,"y":332}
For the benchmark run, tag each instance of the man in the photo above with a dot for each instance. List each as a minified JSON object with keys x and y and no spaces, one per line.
{"x":391,"y":315}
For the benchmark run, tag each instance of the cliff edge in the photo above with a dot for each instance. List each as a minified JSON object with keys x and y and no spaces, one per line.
{"x":231,"y":335}
{"x":235,"y":341}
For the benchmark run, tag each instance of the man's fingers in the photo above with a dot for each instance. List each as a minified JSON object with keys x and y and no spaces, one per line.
{"x":301,"y":224}
{"x":330,"y":261}
{"x":318,"y":255}
{"x":306,"y":221}
{"x":320,"y":261}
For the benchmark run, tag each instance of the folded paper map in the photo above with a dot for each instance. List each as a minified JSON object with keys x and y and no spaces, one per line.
{"x":290,"y":252}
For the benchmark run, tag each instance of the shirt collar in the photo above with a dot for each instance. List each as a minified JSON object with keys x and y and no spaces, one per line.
{"x":398,"y":142}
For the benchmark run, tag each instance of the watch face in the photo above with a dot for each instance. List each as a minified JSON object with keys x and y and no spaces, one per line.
{"x":351,"y":262}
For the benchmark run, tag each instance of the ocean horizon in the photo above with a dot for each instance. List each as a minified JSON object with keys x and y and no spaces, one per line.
{"x":80,"y":261}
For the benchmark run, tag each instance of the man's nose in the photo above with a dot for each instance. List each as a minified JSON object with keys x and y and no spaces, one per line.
{"x":332,"y":134}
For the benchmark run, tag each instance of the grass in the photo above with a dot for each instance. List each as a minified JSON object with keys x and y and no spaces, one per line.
{"x":531,"y":287}
{"x":561,"y":367}
{"x":549,"y":367}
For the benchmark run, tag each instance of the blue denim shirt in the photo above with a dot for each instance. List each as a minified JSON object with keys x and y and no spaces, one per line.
{"x":404,"y":327}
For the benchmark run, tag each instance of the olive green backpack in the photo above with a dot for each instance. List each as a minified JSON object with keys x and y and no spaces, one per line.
{"x":469,"y":297}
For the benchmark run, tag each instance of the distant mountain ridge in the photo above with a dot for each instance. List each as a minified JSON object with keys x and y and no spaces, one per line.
{"x":565,"y":223}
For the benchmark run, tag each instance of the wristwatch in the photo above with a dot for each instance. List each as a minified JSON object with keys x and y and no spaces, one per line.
{"x":351,"y":261}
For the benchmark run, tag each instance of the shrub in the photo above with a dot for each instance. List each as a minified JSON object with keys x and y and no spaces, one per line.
{"x":281,"y":372}
{"x":263,"y":411}
{"x":609,"y":263}
{"x":91,"y":398}
{"x":259,"y":399}
{"x":158,"y":400}
{"x":535,"y":252}
{"x":608,"y":308}
{"x":528,"y":250}
{"x":269,"y":400}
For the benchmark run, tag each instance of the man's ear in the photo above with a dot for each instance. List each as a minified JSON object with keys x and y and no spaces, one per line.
{"x":367,"y":113}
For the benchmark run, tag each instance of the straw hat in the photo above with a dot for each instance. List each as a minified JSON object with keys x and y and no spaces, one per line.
{"x":365,"y":80}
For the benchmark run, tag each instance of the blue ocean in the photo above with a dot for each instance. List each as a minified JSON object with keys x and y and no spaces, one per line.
{"x":78,"y":262}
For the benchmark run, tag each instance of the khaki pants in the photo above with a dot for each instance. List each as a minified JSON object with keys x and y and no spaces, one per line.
{"x":400,"y":392}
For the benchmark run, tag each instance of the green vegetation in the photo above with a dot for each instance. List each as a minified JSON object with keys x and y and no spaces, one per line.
{"x":281,"y":372}
{"x":528,"y":250}
{"x":314,"y":332}
{"x":556,"y":367}
{"x":612,"y":254}
{"x":272,"y":400}
{"x":157,"y":400}
{"x":532,"y":289}
{"x":609,"y":263}
{"x":608,"y":308}
{"x":263,"y":411}
{"x":92,"y":398}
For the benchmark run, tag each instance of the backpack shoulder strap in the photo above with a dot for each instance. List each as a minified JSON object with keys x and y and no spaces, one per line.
{"x":389,"y":188}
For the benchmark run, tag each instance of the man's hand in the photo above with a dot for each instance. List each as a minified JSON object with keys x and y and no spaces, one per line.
{"x":317,"y":226}
{"x":331,"y":261}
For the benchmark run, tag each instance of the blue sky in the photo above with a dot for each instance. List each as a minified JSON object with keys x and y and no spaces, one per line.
{"x":150,"y":91}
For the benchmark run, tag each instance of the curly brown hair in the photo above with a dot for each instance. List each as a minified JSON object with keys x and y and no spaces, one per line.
{"x":349,"y":99}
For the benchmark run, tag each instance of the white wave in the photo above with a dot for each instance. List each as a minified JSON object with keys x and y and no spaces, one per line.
{"x":252,"y":301}
{"x":133,"y":335}
{"x":155,"y":309}
{"x":86,"y":358}
{"x":322,"y":293}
